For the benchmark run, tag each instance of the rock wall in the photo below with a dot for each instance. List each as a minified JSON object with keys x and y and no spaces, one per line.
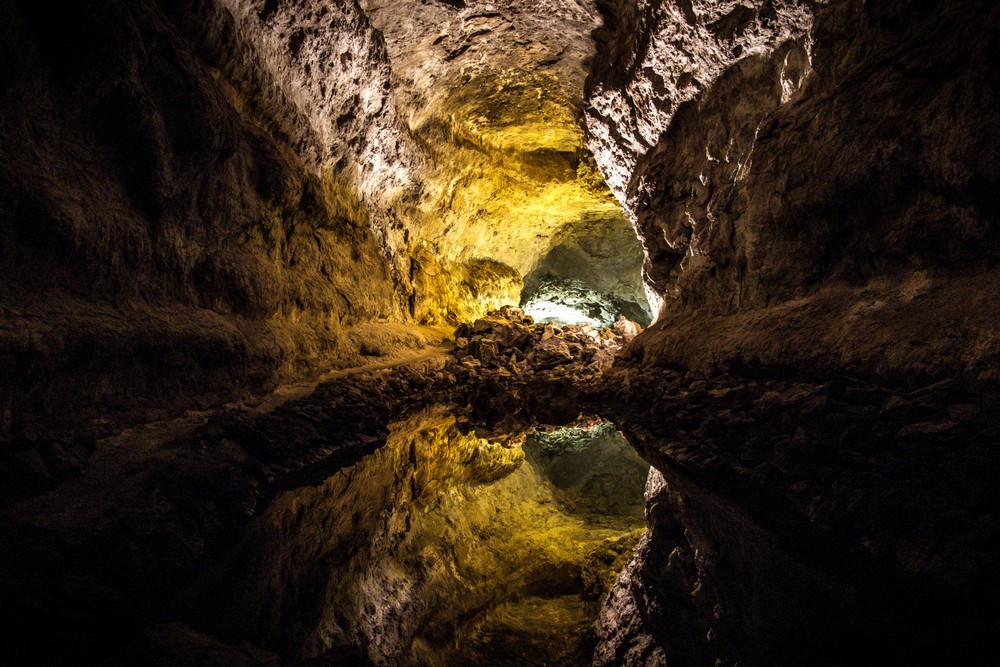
{"x":331,"y":66}
{"x":799,"y":522}
{"x":493,"y":94}
{"x":191,"y":190}
{"x":188,"y":193}
{"x":814,"y":182}
{"x":655,"y":57}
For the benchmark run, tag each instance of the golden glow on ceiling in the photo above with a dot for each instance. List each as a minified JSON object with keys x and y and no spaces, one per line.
{"x":510,"y":169}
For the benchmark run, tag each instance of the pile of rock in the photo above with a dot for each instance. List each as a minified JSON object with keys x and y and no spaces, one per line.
{"x":509,"y":341}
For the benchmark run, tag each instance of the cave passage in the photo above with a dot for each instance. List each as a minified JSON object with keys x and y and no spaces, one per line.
{"x":315,"y":316}
{"x":592,"y":274}
{"x":444,"y":548}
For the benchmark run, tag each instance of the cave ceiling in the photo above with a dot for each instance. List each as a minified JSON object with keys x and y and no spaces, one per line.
{"x":493,"y":94}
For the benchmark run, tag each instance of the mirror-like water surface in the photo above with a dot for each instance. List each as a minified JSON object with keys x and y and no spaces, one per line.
{"x":445,"y":548}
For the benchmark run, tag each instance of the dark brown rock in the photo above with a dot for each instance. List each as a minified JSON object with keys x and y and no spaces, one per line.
{"x":183,"y":215}
{"x":808,"y":181}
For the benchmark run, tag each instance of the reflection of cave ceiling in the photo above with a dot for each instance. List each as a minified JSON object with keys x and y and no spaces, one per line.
{"x":490,"y":531}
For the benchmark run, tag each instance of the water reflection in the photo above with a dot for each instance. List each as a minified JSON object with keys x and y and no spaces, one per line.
{"x":443,"y":548}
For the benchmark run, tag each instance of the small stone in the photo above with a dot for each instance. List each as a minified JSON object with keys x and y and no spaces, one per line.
{"x":963,"y":412}
{"x":626,"y":328}
{"x":924,"y":429}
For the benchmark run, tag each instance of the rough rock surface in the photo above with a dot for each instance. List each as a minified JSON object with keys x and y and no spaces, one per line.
{"x":191,"y":190}
{"x":602,"y":255}
{"x":200,"y":198}
{"x":830,"y":159}
{"x":178,"y":228}
{"x":492,"y":92}
{"x":815,"y":187}
{"x":510,"y":342}
{"x":327,"y":62}
{"x":658,"y":57}
{"x":563,"y":300}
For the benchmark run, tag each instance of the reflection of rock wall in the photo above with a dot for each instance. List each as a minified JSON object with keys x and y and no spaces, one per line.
{"x":833,"y":520}
{"x":708,"y":586}
{"x":594,"y":471}
{"x":439,"y":548}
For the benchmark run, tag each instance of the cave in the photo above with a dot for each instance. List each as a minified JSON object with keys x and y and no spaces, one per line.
{"x":467,"y":332}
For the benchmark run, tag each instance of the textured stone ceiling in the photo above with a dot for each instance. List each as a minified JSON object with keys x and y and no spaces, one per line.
{"x":684,"y":49}
{"x":493,"y":94}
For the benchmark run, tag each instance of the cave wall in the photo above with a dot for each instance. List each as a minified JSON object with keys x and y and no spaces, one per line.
{"x":191,"y":190}
{"x":188,"y":193}
{"x":493,"y":95}
{"x":814,"y":183}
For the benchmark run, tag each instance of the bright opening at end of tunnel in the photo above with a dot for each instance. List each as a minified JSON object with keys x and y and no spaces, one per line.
{"x":563,"y":300}
{"x":549,"y":312}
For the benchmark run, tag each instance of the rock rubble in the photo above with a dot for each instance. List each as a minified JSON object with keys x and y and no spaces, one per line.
{"x":508,"y":342}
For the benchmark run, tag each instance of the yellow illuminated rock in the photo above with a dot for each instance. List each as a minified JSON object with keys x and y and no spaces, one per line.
{"x":494,"y":102}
